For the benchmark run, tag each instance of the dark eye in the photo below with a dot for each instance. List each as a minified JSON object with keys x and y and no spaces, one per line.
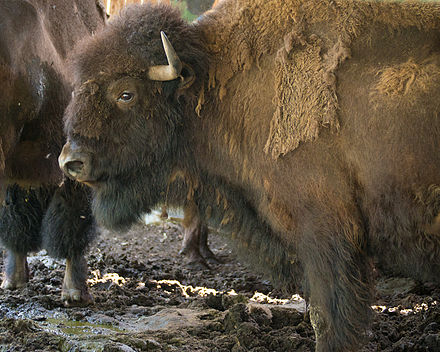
{"x":126,"y":97}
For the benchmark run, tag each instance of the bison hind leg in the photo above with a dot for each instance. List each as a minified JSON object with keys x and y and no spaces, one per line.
{"x":405,"y":234}
{"x":195,"y":239}
{"x":20,"y":222}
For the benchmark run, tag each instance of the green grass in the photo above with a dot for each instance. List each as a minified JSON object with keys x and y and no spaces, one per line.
{"x":182,"y":6}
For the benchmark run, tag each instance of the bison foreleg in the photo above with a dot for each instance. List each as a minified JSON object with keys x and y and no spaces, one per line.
{"x":190,"y":244}
{"x":339,"y":287}
{"x":75,"y":290}
{"x":67,"y":229}
{"x":20,"y":222}
{"x":205,"y":251}
{"x":16,"y":273}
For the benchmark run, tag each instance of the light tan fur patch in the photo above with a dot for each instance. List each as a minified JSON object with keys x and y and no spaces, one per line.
{"x":407,"y":79}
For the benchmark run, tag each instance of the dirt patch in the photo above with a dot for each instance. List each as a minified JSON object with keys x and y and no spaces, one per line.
{"x":146,"y":299}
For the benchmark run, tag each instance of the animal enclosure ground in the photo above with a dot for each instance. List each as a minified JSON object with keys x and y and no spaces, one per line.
{"x":147,"y":300}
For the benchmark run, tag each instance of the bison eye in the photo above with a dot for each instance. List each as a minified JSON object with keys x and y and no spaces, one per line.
{"x":126,"y":97}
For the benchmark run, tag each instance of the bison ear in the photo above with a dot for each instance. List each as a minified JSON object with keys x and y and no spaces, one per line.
{"x":187,"y":77}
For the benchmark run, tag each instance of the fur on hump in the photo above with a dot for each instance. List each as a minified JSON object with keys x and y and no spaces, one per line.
{"x":308,"y":39}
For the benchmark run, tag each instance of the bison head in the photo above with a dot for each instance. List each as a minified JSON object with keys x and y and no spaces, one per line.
{"x":125,"y":119}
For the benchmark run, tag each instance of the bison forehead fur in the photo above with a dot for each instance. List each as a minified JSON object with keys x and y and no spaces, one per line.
{"x":306,"y":129}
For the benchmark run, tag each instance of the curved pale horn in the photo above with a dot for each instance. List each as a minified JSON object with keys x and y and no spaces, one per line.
{"x":170,"y":71}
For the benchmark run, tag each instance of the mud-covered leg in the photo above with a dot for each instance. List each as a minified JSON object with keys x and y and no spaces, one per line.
{"x":339,"y":289}
{"x":205,"y":251}
{"x":195,"y":238}
{"x":67,"y":229}
{"x":20,"y":222}
{"x":16,"y":271}
{"x":75,"y":290}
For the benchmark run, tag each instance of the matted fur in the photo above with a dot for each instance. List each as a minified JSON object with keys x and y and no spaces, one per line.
{"x":295,"y":123}
{"x":408,"y":80}
{"x":304,"y":66}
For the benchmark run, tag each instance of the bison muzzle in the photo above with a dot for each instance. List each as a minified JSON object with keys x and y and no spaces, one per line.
{"x":74,"y":164}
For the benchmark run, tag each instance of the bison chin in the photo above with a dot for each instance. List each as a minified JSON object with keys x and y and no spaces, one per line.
{"x":118,"y":205}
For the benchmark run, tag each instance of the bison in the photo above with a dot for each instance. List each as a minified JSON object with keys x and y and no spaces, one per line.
{"x":37,"y":211}
{"x":307,"y":129}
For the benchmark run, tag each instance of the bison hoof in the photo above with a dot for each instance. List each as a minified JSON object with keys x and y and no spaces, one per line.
{"x":14,"y":283}
{"x":16,"y":274}
{"x":197,"y":264}
{"x":75,"y":297}
{"x":210,"y":257}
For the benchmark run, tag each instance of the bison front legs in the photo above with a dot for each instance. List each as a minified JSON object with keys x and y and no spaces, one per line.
{"x":67,"y":229}
{"x":338,"y":284}
{"x":20,"y":222}
{"x":58,"y":219}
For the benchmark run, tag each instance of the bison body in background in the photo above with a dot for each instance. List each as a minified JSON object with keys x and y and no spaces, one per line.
{"x":309,"y":130}
{"x":35,"y":37}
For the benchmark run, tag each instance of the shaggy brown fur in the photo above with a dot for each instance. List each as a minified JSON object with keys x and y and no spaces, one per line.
{"x":321,"y":204}
{"x":305,"y":63}
{"x":409,"y":80}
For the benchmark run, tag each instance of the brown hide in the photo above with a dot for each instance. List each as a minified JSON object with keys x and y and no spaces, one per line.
{"x":35,"y":37}
{"x":309,"y":41}
{"x":383,"y":75}
{"x":310,"y":133}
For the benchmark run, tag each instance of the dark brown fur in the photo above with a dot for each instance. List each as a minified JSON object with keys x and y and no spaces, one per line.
{"x":355,"y":182}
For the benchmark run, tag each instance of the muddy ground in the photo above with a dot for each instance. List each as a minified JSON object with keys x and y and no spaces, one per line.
{"x":146,"y":299}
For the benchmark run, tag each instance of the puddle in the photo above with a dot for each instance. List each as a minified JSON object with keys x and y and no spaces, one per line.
{"x":72,"y":327}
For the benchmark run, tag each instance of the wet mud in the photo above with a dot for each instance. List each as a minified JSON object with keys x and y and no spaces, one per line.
{"x":148,"y":299}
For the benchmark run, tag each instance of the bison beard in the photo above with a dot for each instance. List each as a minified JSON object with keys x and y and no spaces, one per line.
{"x":118,"y":203}
{"x":308,"y":130}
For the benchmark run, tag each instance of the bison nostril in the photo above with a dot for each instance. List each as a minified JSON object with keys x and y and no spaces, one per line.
{"x":74,"y":168}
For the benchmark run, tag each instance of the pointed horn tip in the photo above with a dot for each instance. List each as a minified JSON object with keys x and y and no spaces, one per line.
{"x":164,"y":38}
{"x":172,"y":70}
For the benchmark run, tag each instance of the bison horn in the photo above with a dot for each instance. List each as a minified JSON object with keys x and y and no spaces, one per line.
{"x":170,"y":71}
